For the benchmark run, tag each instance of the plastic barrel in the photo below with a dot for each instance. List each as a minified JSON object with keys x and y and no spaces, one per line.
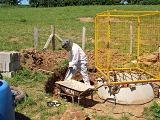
{"x":6,"y":102}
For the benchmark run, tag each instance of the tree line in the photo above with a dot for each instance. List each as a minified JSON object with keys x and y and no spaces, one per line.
{"x":55,"y":3}
{"x":10,"y":2}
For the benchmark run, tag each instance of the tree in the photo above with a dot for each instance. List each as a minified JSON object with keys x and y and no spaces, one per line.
{"x":11,"y":2}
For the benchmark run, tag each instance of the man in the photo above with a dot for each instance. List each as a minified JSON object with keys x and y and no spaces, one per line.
{"x":77,"y":60}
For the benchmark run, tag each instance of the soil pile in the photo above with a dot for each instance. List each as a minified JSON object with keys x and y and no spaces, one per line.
{"x":74,"y":114}
{"x":46,"y":60}
{"x":149,"y":59}
{"x":54,"y":63}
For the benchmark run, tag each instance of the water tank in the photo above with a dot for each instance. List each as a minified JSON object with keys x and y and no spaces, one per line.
{"x":6,"y":102}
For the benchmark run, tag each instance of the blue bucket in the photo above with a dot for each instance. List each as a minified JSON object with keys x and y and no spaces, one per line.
{"x":6,"y":102}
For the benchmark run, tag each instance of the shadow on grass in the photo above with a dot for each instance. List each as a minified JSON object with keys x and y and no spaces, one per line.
{"x":19,"y":116}
{"x":85,"y":102}
{"x":88,"y":102}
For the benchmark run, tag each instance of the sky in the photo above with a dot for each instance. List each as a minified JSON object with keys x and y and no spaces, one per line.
{"x":25,"y":2}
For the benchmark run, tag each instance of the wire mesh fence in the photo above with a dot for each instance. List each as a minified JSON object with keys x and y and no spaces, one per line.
{"x":126,"y":40}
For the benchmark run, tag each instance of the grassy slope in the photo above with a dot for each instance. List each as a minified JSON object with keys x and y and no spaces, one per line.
{"x":17,"y":24}
{"x":16,"y":32}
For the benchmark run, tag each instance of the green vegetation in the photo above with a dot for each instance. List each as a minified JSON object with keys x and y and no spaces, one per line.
{"x":35,"y":105}
{"x":17,"y":24}
{"x":100,"y":117}
{"x":54,"y":3}
{"x":108,"y":117}
{"x":16,"y":33}
{"x":152,"y":112}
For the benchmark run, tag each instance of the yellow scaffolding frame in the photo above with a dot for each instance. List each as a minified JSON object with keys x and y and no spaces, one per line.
{"x":106,"y":71}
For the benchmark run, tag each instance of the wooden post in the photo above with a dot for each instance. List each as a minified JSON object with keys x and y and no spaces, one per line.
{"x":131,"y":38}
{"x":53,"y":37}
{"x":83,"y":37}
{"x":60,"y":39}
{"x":35,"y":38}
{"x":48,"y":41}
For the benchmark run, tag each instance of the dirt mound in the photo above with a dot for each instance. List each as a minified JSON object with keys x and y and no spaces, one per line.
{"x":86,"y":19}
{"x":74,"y":114}
{"x":49,"y":60}
{"x":149,"y":59}
{"x":46,"y":60}
{"x":54,"y":63}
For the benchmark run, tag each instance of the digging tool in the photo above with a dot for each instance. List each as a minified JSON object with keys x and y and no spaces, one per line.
{"x":69,"y":73}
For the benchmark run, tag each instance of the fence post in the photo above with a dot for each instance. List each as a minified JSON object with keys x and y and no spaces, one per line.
{"x":83,"y":37}
{"x":35,"y":38}
{"x":60,"y":39}
{"x":48,"y":41}
{"x":131,"y":38}
{"x":159,"y":58}
{"x":53,"y":38}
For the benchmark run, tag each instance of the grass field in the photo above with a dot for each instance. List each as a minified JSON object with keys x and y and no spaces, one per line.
{"x":17,"y":24}
{"x":16,"y":33}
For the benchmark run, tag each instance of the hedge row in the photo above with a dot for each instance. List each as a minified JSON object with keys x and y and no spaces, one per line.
{"x":51,"y":3}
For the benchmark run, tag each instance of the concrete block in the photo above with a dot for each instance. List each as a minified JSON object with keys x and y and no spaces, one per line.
{"x":14,"y":66}
{"x":7,"y":74}
{"x":9,"y":61}
{"x":9,"y":56}
{"x":10,"y":66}
{"x":1,"y":67}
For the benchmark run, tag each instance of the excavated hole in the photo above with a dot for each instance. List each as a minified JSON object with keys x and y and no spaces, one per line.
{"x":58,"y":75}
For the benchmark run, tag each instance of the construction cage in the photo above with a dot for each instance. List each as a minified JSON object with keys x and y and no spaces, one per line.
{"x":127,"y":46}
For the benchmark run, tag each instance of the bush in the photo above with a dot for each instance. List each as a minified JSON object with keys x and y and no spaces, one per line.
{"x":150,"y":2}
{"x":51,"y":3}
{"x":152,"y":112}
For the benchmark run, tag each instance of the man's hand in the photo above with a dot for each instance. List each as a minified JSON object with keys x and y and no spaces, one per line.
{"x":70,"y":65}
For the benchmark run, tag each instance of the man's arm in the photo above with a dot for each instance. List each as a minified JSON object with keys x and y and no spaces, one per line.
{"x":75,"y":57}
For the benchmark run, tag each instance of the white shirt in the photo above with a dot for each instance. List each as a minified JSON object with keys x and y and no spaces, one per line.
{"x":76,"y":55}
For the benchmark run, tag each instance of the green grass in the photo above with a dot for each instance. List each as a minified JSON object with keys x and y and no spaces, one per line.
{"x":17,"y":24}
{"x":108,"y":117}
{"x":16,"y":32}
{"x":152,"y":112}
{"x":35,"y":105}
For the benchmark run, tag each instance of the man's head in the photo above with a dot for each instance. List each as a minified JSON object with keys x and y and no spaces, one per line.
{"x":66,"y":44}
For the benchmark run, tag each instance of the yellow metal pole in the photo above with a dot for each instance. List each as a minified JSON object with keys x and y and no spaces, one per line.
{"x":105,"y":76}
{"x":102,"y":15}
{"x":118,"y":69}
{"x":159,"y":59}
{"x":138,"y":41}
{"x":128,"y":81}
{"x":134,"y":12}
{"x":108,"y":46}
{"x":96,"y":41}
{"x":134,"y":82}
{"x":146,"y":72}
